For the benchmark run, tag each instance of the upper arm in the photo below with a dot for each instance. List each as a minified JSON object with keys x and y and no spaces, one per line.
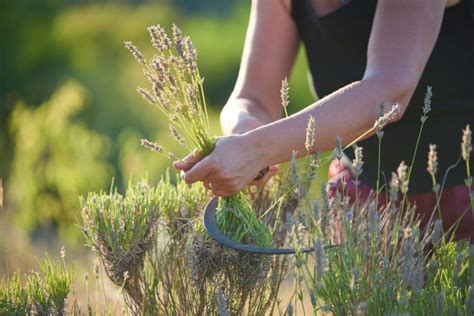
{"x":403,"y":35}
{"x":269,"y":52}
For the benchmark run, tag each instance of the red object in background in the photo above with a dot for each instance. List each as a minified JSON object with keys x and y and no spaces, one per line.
{"x":454,"y":203}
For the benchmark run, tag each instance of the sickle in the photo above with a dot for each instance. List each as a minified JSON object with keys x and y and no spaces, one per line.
{"x":210,"y":224}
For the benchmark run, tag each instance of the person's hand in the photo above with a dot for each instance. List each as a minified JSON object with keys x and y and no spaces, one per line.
{"x":244,"y":124}
{"x":234,"y":163}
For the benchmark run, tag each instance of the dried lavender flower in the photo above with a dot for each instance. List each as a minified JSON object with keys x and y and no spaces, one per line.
{"x":466,"y":145}
{"x":190,"y":54}
{"x":285,"y":94}
{"x":152,"y":146}
{"x":402,"y":177}
{"x":316,"y":211}
{"x":324,"y":199}
{"x":159,"y":38}
{"x":387,"y":117}
{"x":312,"y":297}
{"x":320,"y":259}
{"x":146,"y":95}
{"x":135,"y":52}
{"x":178,"y":40}
{"x":437,"y":232}
{"x":426,"y":104}
{"x":381,"y":108}
{"x":96,"y":269}
{"x":161,"y":68}
{"x":407,"y":254}
{"x":373,"y":219}
{"x":432,"y":161}
{"x":337,"y":153}
{"x":358,"y":162}
{"x":310,"y":129}
{"x":171,"y":156}
{"x":176,"y":135}
{"x":394,"y":187}
{"x":294,"y":168}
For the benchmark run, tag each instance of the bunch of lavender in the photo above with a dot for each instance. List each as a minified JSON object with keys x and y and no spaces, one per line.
{"x":177,"y":90}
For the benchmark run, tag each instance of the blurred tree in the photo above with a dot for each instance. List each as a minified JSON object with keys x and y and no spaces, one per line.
{"x":55,"y":159}
{"x":30,"y":61}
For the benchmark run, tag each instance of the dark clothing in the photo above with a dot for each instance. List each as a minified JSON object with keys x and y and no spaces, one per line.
{"x":336,"y":48}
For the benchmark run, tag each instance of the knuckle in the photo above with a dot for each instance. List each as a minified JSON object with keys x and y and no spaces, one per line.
{"x":213,"y":165}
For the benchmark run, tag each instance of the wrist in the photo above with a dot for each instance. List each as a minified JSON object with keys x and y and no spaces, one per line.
{"x":261,"y":146}
{"x":240,"y":123}
{"x":241,"y":115}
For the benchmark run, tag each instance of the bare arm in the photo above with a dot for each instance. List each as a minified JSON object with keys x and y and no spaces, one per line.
{"x":269,"y":53}
{"x":403,"y":36}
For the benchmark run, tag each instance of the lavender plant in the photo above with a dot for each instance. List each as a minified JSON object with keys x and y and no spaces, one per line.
{"x":386,"y":263}
{"x":165,"y":274}
{"x":44,"y":292}
{"x":121,"y":229}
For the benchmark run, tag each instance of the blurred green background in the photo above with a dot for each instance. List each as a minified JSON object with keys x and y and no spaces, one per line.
{"x":70,"y":119}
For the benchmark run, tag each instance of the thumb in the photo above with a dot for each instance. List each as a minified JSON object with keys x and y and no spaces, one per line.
{"x":190,"y":160}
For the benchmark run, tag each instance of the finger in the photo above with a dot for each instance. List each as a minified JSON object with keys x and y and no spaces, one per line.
{"x":190,"y":160}
{"x":199,"y":171}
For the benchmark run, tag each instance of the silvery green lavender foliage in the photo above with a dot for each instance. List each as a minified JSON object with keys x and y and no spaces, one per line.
{"x":146,"y":240}
{"x":43,"y":292}
{"x":386,"y":262}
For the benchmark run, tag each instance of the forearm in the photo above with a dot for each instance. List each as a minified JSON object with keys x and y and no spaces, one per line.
{"x":348,"y":113}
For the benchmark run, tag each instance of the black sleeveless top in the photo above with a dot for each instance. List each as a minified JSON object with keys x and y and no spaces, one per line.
{"x":336,"y":49}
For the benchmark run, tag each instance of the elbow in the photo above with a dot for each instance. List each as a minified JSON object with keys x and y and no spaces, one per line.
{"x":393,"y":88}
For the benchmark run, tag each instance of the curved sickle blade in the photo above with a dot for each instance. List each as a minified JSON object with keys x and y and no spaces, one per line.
{"x":210,"y":224}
